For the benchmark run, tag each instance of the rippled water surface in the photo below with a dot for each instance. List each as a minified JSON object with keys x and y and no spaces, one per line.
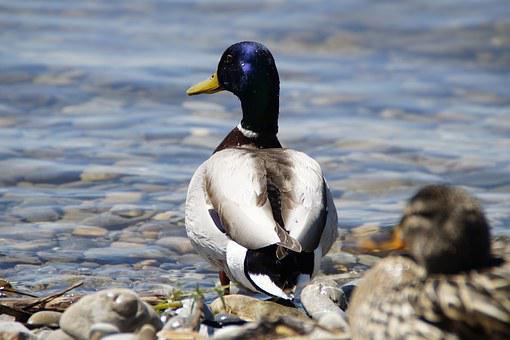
{"x":98,"y":140}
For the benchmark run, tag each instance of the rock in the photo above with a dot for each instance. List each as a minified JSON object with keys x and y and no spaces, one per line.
{"x":188,"y":317}
{"x":126,"y":210}
{"x":320,"y":298}
{"x":15,"y":259}
{"x":122,"y":255}
{"x":145,"y":263}
{"x":180,"y":245}
{"x":338,"y":262}
{"x":6,"y":317}
{"x":120,"y":336}
{"x":34,"y":245}
{"x":252,"y":309}
{"x":164,"y":216}
{"x":94,"y":174}
{"x":43,"y":333}
{"x":174,"y":335}
{"x":45,"y":318}
{"x":89,"y":231}
{"x":347,"y":289}
{"x":147,"y":332}
{"x":333,"y":321}
{"x":13,"y":331}
{"x":119,"y":307}
{"x":37,"y":214}
{"x":123,"y":197}
{"x":368,"y":260}
{"x":102,"y":329}
{"x":56,"y":335}
{"x":15,"y":170}
{"x":282,"y":327}
{"x":225,"y":319}
{"x":113,"y":222}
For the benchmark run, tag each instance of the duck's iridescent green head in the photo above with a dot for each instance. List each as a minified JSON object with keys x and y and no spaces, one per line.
{"x":247,"y":69}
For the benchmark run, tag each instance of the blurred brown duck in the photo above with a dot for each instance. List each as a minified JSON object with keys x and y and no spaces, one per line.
{"x":448,"y":287}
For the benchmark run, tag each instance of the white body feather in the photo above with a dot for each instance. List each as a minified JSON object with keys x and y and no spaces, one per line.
{"x":234,"y":183}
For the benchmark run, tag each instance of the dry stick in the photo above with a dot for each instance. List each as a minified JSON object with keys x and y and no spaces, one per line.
{"x":14,"y":291}
{"x":44,"y":300}
{"x":20,"y":315}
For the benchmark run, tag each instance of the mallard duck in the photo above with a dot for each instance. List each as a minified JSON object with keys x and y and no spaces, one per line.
{"x":446,"y":285}
{"x":262,"y":214}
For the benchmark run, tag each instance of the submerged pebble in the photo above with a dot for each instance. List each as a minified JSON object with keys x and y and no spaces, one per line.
{"x":89,"y":231}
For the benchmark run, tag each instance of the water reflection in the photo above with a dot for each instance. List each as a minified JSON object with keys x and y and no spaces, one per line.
{"x":98,"y":140}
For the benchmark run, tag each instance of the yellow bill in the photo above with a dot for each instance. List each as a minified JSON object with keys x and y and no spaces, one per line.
{"x":395,"y":242}
{"x":209,"y":86}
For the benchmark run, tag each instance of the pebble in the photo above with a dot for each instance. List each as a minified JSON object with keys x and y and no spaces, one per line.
{"x":45,"y":318}
{"x":164,"y":216}
{"x":95,"y":174}
{"x":89,"y":231}
{"x":188,"y":317}
{"x":6,"y":317}
{"x":147,"y":332}
{"x":125,"y":254}
{"x":119,"y":336}
{"x":37,"y":214}
{"x":145,"y":263}
{"x":16,"y":170}
{"x":226,"y":319}
{"x":33,"y":245}
{"x":110,"y":221}
{"x":180,"y":245}
{"x":58,"y":334}
{"x":252,"y":309}
{"x":119,"y":307}
{"x":14,"y":260}
{"x":102,"y":329}
{"x":368,"y":260}
{"x":126,"y":210}
{"x":122,"y":197}
{"x":320,"y":299}
{"x":14,"y":330}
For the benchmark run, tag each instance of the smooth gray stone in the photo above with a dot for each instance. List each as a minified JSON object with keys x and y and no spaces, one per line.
{"x":181,"y":245}
{"x":48,"y":201}
{"x":14,"y":330}
{"x":59,"y":334}
{"x":112,"y":221}
{"x":6,"y":317}
{"x":126,"y":210}
{"x":43,"y":333}
{"x":119,"y":307}
{"x":147,"y":332}
{"x":226,"y":319}
{"x":45,"y":318}
{"x":119,"y":255}
{"x":188,"y":317}
{"x":37,"y":214}
{"x":120,"y":336}
{"x":102,"y":329}
{"x":320,"y":298}
{"x":15,"y":170}
{"x":347,"y":289}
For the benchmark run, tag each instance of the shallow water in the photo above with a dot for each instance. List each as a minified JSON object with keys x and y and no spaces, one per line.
{"x":98,"y":140}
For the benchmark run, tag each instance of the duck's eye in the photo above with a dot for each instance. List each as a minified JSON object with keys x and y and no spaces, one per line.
{"x":228,"y":59}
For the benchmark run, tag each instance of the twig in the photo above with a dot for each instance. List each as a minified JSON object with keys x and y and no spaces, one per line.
{"x":44,"y":300}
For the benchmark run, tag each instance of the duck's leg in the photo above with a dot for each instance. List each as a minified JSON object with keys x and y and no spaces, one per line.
{"x":224,"y":281}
